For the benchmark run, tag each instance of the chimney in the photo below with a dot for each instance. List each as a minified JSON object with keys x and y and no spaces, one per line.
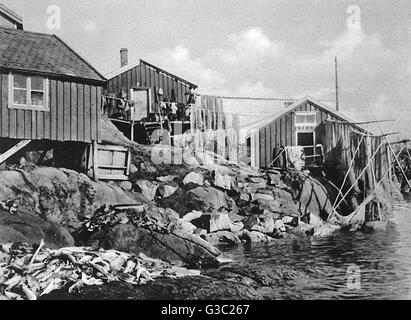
{"x":124,"y":57}
{"x":288,"y":104}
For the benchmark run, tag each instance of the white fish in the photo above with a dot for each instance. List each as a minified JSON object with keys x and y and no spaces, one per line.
{"x":29,"y":294}
{"x":54,"y":284}
{"x":140,"y":272}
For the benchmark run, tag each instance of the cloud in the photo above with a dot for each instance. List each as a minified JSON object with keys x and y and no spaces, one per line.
{"x":180,"y":62}
{"x":249,"y":45}
{"x":90,"y":26}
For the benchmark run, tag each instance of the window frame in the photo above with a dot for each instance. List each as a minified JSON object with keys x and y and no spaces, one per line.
{"x":306,"y":113}
{"x":29,"y":90}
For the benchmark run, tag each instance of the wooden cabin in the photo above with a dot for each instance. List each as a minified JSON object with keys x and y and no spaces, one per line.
{"x":330,"y":143}
{"x":328,"y":138}
{"x":300,"y":124}
{"x":140,"y":97}
{"x":142,"y":100}
{"x":50,"y":99}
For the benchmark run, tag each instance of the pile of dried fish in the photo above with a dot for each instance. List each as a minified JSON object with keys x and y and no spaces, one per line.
{"x":109,"y":216}
{"x":28,"y":272}
{"x":10,"y":206}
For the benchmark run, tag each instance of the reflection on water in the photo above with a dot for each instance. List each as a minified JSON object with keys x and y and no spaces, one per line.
{"x":382,"y":258}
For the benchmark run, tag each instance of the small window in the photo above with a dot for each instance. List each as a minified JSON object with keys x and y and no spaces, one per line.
{"x":305,"y":119}
{"x":28,"y":92}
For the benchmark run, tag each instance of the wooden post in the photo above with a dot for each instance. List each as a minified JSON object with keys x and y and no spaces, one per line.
{"x":95,"y":161}
{"x":132,"y":130}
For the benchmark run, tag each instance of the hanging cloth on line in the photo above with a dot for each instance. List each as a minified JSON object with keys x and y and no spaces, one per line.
{"x":295,"y":156}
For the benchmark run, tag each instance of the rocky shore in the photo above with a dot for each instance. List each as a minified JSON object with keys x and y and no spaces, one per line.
{"x":179,"y":214}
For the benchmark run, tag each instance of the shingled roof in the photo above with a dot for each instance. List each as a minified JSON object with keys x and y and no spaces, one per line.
{"x":44,"y":54}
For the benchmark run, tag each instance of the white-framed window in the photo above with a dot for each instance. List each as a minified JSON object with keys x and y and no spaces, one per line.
{"x":28,"y":92}
{"x":306,"y":118}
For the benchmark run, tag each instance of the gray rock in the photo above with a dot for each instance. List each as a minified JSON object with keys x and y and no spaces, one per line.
{"x":273,"y":215}
{"x":293,"y":221}
{"x":222,"y":181}
{"x":166,"y":178}
{"x":126,"y":185}
{"x":251,"y":221}
{"x":274,"y":177}
{"x":279,"y":225}
{"x":254,"y":236}
{"x":133,"y":169}
{"x":258,"y":180}
{"x":194,"y":177}
{"x":268,"y":225}
{"x":148,"y":188}
{"x":315,"y":221}
{"x":193,"y":215}
{"x":210,"y":199}
{"x":326,"y":230}
{"x":168,"y":191}
{"x":237,"y":227}
{"x":259,"y":196}
{"x":187,"y":227}
{"x":222,"y":237}
{"x":213,"y":222}
{"x":303,"y":230}
{"x":245,"y":196}
{"x":171,"y":247}
{"x":314,"y":198}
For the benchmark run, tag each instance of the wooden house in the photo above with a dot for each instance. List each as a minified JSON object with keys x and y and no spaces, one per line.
{"x":142,"y":100}
{"x":328,"y":138}
{"x":50,"y":98}
{"x":137,"y":95}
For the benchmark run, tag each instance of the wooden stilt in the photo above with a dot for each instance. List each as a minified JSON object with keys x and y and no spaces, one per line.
{"x":95,"y":161}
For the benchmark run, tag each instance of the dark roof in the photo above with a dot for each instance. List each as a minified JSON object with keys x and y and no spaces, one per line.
{"x":44,"y":54}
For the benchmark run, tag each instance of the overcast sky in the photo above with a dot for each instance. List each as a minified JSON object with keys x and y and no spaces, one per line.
{"x":261,"y":48}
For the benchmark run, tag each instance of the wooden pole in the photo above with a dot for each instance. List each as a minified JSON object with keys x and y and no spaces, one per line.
{"x":337,"y":103}
{"x":392,"y":151}
{"x":95,"y":161}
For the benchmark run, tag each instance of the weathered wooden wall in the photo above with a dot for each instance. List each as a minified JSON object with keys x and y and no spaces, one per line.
{"x":340,"y":143}
{"x":148,"y":77}
{"x":74,"y":112}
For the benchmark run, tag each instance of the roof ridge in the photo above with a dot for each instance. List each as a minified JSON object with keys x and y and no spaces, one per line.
{"x":26,"y":31}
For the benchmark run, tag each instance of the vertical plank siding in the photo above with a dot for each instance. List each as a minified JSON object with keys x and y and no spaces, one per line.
{"x":147,"y":77}
{"x":74,"y":112}
{"x":281,"y":132}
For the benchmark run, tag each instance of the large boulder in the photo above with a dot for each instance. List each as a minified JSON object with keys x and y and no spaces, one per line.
{"x":314,"y":199}
{"x":148,"y":188}
{"x":62,"y":196}
{"x":222,"y":181}
{"x":210,"y":199}
{"x":27,"y":227}
{"x":172,"y":247}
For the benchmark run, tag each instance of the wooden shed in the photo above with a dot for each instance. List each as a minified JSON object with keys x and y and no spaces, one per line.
{"x":333,"y":145}
{"x":50,"y":97}
{"x":308,"y":123}
{"x":142,"y":83}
